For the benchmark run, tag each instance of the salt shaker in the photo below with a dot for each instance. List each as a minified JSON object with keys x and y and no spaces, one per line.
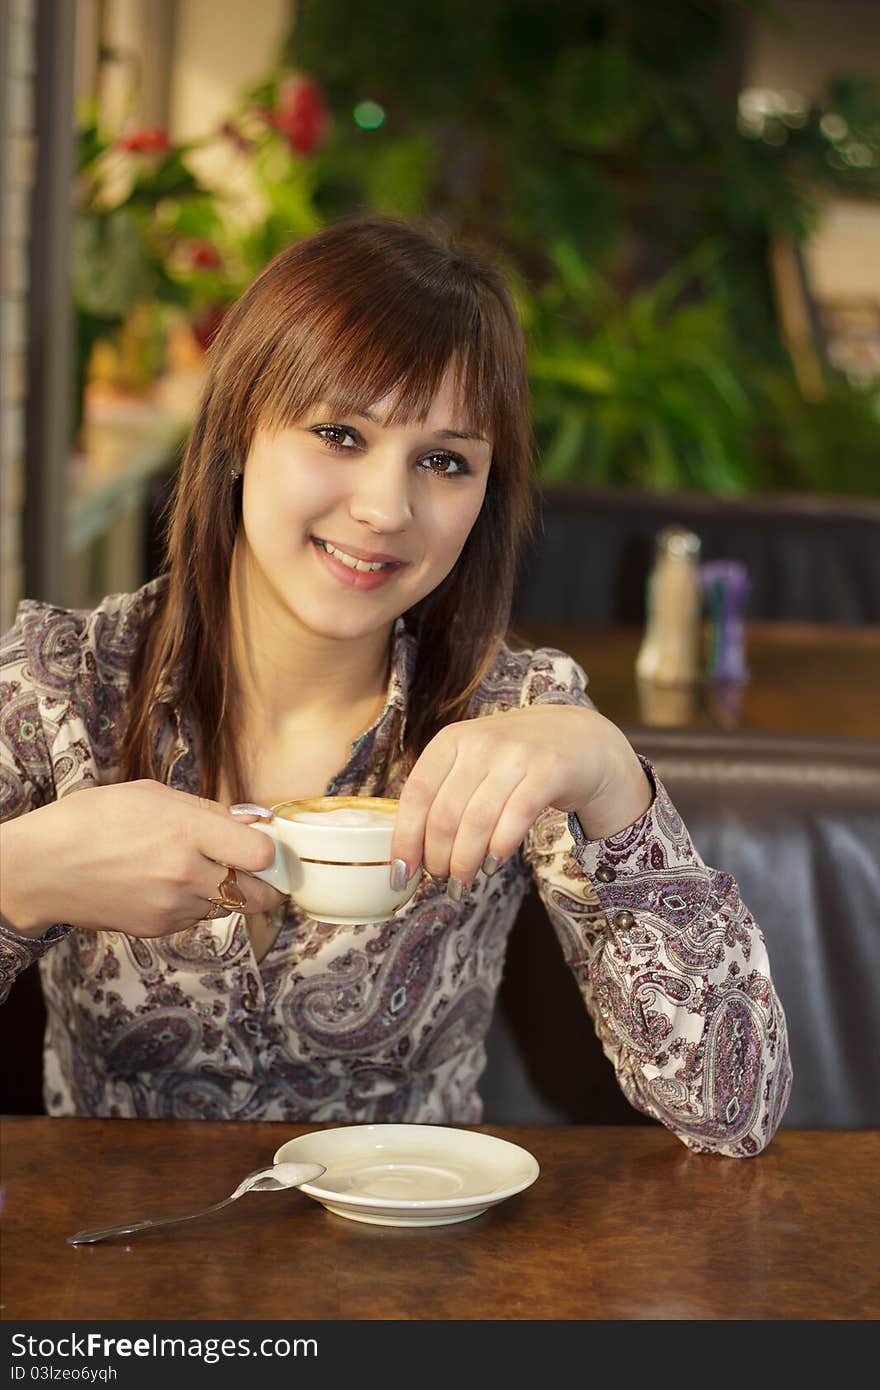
{"x":670,"y":649}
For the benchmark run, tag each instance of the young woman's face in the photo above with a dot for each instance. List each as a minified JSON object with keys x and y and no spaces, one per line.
{"x":347,"y":521}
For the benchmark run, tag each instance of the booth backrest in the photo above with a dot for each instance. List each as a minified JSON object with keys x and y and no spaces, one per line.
{"x":797,"y":822}
{"x":809,"y":559}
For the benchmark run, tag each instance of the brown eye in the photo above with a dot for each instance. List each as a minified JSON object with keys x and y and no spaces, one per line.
{"x":335,"y":436}
{"x":444,"y":465}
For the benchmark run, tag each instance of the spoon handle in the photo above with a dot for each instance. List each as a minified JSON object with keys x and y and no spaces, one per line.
{"x":134,"y":1228}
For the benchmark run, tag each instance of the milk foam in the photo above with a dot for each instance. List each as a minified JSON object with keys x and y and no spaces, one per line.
{"x":344,"y":816}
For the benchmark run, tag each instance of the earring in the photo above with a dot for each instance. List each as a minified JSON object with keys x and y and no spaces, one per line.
{"x":234,"y":474}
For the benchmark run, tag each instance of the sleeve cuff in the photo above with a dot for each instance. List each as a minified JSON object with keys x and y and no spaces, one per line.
{"x":630,"y":833}
{"x":35,"y":946}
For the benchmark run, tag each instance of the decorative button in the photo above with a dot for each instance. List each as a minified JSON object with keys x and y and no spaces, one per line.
{"x":624,"y":920}
{"x":250,"y":1002}
{"x":605,"y":873}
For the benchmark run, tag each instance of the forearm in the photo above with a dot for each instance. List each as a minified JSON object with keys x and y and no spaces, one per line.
{"x":27,"y":930}
{"x":694,"y":1028}
{"x":27,"y":869}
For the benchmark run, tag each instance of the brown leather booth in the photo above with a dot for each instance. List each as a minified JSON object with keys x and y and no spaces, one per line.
{"x":797,"y":822}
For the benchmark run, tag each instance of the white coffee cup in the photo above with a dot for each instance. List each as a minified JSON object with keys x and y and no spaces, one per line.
{"x":336,"y":862}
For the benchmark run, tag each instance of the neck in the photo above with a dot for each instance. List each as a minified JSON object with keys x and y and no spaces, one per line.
{"x":286,"y":674}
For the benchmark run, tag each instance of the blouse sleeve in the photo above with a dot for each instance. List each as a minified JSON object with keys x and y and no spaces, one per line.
{"x":26,"y":775}
{"x":670,"y":963}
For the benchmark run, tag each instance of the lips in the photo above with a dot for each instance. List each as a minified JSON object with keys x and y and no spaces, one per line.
{"x":354,"y":556}
{"x":354,"y":567}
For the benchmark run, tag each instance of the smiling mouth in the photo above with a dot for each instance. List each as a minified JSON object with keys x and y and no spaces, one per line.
{"x":352,"y":562}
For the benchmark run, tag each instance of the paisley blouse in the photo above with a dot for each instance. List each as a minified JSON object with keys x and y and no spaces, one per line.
{"x":382,"y":1022}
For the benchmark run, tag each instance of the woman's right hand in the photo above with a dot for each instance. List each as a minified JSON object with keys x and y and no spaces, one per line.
{"x":136,"y":857}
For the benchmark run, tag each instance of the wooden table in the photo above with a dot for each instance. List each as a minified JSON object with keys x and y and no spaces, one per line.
{"x":804,"y":678}
{"x":623,"y":1223}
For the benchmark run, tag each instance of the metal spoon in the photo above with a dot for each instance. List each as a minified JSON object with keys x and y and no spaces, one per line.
{"x":273,"y":1179}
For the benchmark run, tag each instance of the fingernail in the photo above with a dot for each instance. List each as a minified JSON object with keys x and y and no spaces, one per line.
{"x":491,"y":864}
{"x":454,"y":889}
{"x":399,"y":875}
{"x":250,"y":808}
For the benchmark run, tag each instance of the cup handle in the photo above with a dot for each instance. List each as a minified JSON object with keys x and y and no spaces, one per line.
{"x":276,"y":874}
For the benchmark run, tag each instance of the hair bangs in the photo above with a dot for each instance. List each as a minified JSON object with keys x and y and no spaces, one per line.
{"x":350,"y":352}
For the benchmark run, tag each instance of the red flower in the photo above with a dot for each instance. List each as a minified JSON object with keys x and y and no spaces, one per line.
{"x":146,"y":141}
{"x":302,"y":115}
{"x":203,"y":255}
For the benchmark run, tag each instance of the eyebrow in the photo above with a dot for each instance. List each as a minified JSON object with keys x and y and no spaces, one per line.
{"x":438,"y":434}
{"x":461,"y":434}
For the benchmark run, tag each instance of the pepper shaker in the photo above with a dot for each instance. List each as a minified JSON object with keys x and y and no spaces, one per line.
{"x":726,"y":586}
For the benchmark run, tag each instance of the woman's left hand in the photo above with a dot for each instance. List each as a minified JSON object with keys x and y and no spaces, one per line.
{"x":479,"y":786}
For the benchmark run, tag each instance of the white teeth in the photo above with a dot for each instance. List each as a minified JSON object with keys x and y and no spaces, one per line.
{"x":350,"y":561}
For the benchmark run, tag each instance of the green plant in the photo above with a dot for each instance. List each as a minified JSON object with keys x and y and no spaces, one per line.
{"x":601,"y":152}
{"x":825,"y":445}
{"x":640,"y":388}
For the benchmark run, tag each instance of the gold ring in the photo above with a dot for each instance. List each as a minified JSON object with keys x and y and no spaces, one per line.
{"x":230,"y":897}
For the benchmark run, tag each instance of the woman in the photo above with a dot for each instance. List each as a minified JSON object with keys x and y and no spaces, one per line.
{"x":341,"y":560}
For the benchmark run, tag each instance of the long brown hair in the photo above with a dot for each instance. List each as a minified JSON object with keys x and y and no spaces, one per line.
{"x":364,"y":309}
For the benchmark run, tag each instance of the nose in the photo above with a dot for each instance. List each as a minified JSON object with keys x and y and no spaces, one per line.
{"x":380,"y":496}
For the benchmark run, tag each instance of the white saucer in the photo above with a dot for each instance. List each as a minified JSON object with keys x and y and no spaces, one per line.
{"x":410,"y":1175}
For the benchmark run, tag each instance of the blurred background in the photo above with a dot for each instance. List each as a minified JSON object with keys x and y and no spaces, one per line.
{"x":685,"y":197}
